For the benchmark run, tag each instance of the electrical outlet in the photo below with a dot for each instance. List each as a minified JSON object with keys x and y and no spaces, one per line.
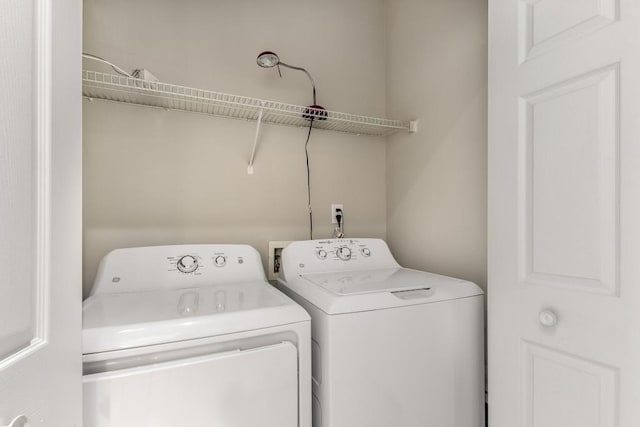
{"x":334,"y":211}
{"x":275,"y":251}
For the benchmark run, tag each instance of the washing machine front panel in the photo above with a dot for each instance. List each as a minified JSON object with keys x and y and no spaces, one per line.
{"x":406,"y":366}
{"x":410,"y":366}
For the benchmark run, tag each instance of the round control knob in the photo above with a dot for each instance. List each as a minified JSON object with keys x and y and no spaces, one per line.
{"x":220,"y":261}
{"x":344,"y":253}
{"x":366,"y":252}
{"x":548,"y":318}
{"x":188,"y":264}
{"x":322,"y":254}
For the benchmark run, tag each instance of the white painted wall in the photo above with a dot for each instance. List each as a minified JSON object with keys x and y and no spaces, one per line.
{"x":436,"y":179}
{"x":158,"y":177}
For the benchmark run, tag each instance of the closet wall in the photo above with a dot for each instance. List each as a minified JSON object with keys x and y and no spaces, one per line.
{"x":437,"y":178}
{"x":156,"y":177}
{"x":160,"y":177}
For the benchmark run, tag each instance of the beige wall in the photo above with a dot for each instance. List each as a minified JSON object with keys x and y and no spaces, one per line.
{"x":436,"y":179}
{"x":161,"y":177}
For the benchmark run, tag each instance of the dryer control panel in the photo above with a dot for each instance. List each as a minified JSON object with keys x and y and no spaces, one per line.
{"x":334,"y":255}
{"x":176,"y":267}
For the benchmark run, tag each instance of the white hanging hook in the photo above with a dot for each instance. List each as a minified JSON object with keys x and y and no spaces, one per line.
{"x":255,"y":140}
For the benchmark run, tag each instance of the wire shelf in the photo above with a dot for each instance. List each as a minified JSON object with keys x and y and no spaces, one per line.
{"x":118,"y":88}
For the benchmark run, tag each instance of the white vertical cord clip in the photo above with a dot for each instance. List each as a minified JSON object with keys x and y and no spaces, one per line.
{"x":255,"y":140}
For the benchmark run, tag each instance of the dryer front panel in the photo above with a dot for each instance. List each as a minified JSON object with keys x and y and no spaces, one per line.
{"x":239,"y":388}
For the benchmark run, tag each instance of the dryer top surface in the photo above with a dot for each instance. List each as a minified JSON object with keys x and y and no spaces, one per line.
{"x":164,"y":294}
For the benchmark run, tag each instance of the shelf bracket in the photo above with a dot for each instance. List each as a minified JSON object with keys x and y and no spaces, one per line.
{"x":255,"y":140}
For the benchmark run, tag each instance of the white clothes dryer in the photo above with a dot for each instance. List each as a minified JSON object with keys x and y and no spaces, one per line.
{"x":193,"y":335}
{"x":391,"y":346}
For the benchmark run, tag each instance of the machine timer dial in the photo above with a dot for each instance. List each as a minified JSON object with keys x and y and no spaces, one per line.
{"x":344,"y":253}
{"x":220,"y":261}
{"x":187,"y":264}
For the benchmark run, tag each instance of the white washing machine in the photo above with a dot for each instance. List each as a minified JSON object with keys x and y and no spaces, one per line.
{"x":193,"y":335}
{"x":390,"y":346}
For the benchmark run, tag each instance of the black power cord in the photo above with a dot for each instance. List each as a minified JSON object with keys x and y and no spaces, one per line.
{"x":306,"y":153}
{"x":339,"y":219}
{"x":339,"y":231}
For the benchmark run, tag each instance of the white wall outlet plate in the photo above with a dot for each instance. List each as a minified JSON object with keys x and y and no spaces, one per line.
{"x":334,"y":210}
{"x":275,"y":249}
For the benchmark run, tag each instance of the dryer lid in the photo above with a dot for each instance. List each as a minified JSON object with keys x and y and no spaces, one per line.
{"x":115,"y":321}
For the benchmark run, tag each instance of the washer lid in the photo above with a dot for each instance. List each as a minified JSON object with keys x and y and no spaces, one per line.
{"x":382,"y":280}
{"x":115,"y":321}
{"x":354,"y":291}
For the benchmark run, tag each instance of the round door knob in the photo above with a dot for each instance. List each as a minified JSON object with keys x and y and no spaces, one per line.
{"x":19,"y":421}
{"x":187,"y":264}
{"x":548,"y":318}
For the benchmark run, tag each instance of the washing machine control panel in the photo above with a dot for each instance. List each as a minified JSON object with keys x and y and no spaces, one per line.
{"x":314,"y":256}
{"x":187,"y":264}
{"x":177,"y":266}
{"x":220,"y":261}
{"x":344,"y":253}
{"x":341,"y":250}
{"x":322,"y":254}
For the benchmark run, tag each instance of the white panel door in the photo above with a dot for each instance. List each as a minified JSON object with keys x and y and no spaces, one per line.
{"x":564,"y":213}
{"x":40,"y":212}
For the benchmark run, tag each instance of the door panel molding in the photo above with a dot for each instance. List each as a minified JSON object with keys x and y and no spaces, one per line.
{"x":558,"y":381}
{"x":42,"y":99}
{"x":569,"y":221}
{"x":546,"y":24}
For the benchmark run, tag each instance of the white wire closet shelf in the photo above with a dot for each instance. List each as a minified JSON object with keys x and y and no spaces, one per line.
{"x":113,"y":87}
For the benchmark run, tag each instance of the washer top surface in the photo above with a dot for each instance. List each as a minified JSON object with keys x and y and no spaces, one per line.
{"x":352,"y":275}
{"x":126,"y":310}
{"x":374,"y":281}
